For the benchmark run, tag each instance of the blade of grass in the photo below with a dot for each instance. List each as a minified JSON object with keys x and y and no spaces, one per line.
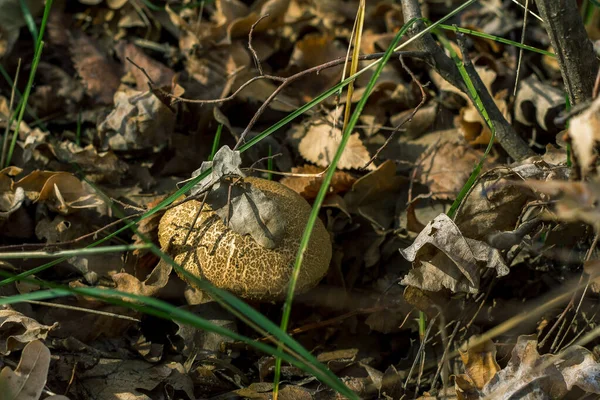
{"x":477,"y":102}
{"x":329,"y":176}
{"x":497,"y":39}
{"x":216,"y":140}
{"x":355,"y":40}
{"x":36,"y":59}
{"x":29,"y":20}
{"x":167,"y":311}
{"x":28,"y":109}
{"x":71,"y":253}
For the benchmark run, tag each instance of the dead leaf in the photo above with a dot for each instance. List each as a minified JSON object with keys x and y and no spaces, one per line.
{"x":138,"y":121}
{"x":111,"y":378}
{"x":549,"y":375}
{"x":375,"y":195}
{"x":576,"y":201}
{"x":308,"y":186}
{"x":17,"y":330}
{"x":27,"y":381}
{"x":538,"y":103}
{"x":246,"y":209}
{"x":445,"y":167}
{"x":160,"y":74}
{"x":479,"y":216}
{"x":584,"y":133}
{"x":453,"y":262}
{"x":480,"y":362}
{"x":61,"y":191}
{"x":101,"y":76}
{"x":320,"y":144}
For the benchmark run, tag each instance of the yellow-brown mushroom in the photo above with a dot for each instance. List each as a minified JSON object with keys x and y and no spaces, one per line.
{"x":237,"y":262}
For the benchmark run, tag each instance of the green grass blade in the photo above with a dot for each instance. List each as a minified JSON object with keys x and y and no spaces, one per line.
{"x":29,"y":20}
{"x":478,"y":103}
{"x":36,"y":59}
{"x":497,"y":39}
{"x":216,"y":140}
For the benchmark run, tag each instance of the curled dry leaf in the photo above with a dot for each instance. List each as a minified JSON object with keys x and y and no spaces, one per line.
{"x":243,"y":207}
{"x":445,"y":167}
{"x":584,"y":131}
{"x":576,"y":201}
{"x":138,"y":121}
{"x":499,"y":210}
{"x":60,"y":191}
{"x":27,"y":381}
{"x":156,"y":280}
{"x":16,"y":330}
{"x":480,"y":362}
{"x":308,"y":186}
{"x":444,"y":259}
{"x":538,"y":103}
{"x":99,"y":166}
{"x":549,"y":375}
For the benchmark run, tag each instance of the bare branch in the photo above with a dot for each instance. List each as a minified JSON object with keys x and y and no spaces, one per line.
{"x":514,"y":145}
{"x":574,"y":51}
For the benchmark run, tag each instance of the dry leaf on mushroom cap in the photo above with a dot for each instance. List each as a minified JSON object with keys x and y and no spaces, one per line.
{"x":246,"y":209}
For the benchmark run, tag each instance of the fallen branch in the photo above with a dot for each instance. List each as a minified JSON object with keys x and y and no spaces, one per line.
{"x":510,"y":141}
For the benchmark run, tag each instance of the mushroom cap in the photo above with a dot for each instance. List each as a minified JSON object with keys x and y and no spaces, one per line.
{"x":237,"y":262}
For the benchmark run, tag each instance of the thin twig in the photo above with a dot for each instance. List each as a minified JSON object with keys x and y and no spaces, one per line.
{"x":408,"y":118}
{"x":81,"y":309}
{"x":252,"y":51}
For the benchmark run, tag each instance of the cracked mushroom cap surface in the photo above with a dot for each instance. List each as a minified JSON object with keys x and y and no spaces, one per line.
{"x":237,"y":262}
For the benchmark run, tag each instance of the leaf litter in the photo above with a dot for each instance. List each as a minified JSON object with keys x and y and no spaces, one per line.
{"x":411,"y":291}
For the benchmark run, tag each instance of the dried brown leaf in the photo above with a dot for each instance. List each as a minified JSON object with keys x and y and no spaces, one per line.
{"x":320,"y":144}
{"x":308,"y":186}
{"x":480,"y":362}
{"x":27,"y":381}
{"x":61,"y":191}
{"x":16,"y":330}
{"x":445,"y":167}
{"x":100,"y":75}
{"x":549,"y":375}
{"x":443,"y":258}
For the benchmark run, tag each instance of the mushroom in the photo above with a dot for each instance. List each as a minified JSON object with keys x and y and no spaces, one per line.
{"x":237,"y":262}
